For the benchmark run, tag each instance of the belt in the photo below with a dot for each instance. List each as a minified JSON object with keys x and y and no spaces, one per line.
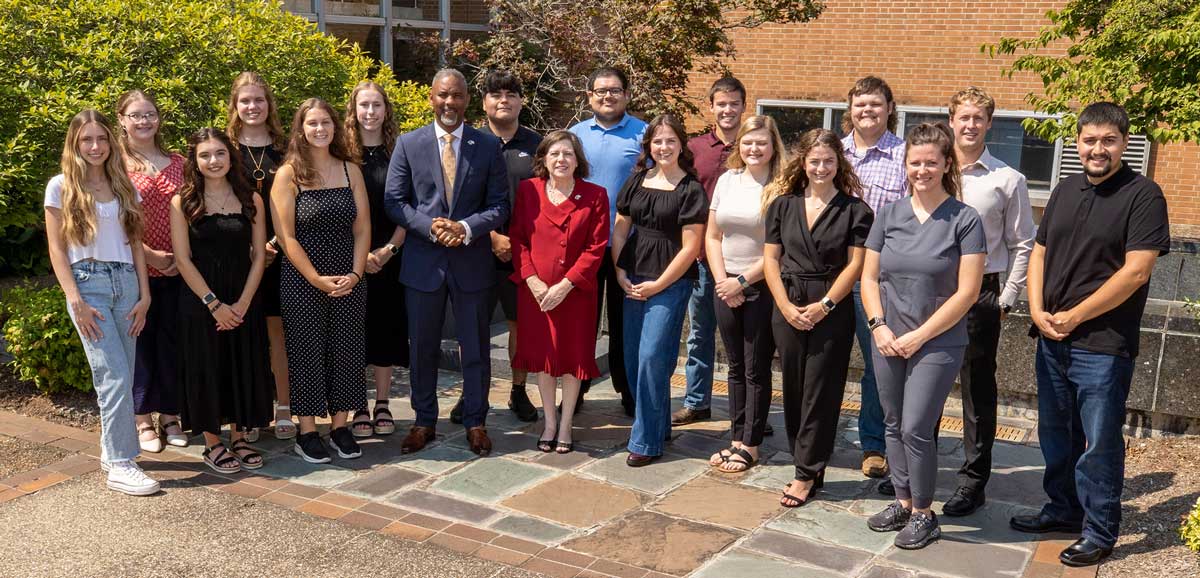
{"x":807,"y":276}
{"x":653,"y":233}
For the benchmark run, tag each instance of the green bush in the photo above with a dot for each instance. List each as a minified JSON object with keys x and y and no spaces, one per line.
{"x":60,"y":56}
{"x":42,"y":340}
{"x":1190,"y":530}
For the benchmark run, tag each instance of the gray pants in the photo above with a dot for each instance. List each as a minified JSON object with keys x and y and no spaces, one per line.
{"x":912,"y":393}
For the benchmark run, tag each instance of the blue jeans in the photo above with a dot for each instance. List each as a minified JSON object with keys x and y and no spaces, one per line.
{"x":870,"y":417}
{"x":701,"y":342}
{"x":1081,"y":410}
{"x":112,"y":289}
{"x":651,"y":348}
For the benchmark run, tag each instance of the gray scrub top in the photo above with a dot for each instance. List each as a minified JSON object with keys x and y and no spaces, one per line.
{"x":918,"y":263}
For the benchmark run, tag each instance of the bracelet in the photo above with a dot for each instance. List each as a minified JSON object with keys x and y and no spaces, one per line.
{"x":214,"y":306}
{"x":355,"y":273}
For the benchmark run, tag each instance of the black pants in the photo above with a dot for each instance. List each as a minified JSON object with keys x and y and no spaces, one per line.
{"x":610,"y":290}
{"x":749,"y":345}
{"x":814,"y":379}
{"x":155,"y":382}
{"x":978,"y":378}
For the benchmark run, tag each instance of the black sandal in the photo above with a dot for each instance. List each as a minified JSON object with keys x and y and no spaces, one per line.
{"x":724,"y":454}
{"x":747,"y":459}
{"x":546,"y":446}
{"x":251,"y":459}
{"x":222,"y":461}
{"x":383,"y":425}
{"x":564,"y":447}
{"x":360,"y":424}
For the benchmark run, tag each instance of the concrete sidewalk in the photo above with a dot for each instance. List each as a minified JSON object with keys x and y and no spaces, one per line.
{"x":580,"y":514}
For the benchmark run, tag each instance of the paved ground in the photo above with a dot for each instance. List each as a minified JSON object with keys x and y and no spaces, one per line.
{"x":582,"y":514}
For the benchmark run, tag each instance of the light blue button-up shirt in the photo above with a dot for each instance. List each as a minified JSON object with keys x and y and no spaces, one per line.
{"x":611,"y":153}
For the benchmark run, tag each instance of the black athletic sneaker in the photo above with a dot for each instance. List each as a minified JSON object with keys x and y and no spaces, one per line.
{"x":344,"y":443}
{"x":310,"y":447}
{"x":921,"y":531}
{"x":892,"y":518}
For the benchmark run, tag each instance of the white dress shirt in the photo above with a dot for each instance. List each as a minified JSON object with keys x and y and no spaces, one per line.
{"x":1000,"y":195}
{"x":456,"y":145}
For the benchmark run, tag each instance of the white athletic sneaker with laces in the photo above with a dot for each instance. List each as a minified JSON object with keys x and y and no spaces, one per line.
{"x":127,"y":477}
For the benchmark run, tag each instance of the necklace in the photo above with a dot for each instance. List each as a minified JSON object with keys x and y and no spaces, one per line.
{"x":259,"y":174}
{"x":371,"y":150}
{"x":209,"y":201}
{"x":556,"y":196}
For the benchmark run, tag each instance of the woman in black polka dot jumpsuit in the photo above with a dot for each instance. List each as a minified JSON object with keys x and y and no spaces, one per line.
{"x":323,"y":222}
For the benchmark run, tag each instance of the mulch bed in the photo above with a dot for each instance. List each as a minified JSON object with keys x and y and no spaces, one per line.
{"x":73,"y":408}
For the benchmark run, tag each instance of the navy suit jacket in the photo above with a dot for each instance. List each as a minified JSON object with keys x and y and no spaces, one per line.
{"x":415,"y":194}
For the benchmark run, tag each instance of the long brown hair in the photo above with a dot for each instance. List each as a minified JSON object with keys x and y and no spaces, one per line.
{"x":351,"y":121}
{"x":793,"y":179}
{"x":191,"y":194}
{"x":298,"y":153}
{"x":939,"y":135}
{"x":672,"y":122}
{"x":141,"y":163}
{"x":78,"y":204}
{"x":233,"y":125}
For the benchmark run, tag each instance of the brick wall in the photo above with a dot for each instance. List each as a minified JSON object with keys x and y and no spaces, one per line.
{"x":926,"y":52}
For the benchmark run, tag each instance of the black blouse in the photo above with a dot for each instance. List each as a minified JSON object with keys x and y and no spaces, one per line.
{"x":374,"y":171}
{"x":822,"y":253}
{"x":659,"y":217}
{"x":259,"y":165}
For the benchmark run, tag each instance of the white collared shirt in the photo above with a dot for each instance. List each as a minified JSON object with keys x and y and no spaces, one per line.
{"x":1000,"y":195}
{"x":456,"y":145}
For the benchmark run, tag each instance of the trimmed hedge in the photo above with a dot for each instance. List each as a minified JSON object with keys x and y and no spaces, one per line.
{"x":60,"y":56}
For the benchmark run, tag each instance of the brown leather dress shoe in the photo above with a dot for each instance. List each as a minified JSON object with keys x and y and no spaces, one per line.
{"x":480,"y":443}
{"x":416,"y":439}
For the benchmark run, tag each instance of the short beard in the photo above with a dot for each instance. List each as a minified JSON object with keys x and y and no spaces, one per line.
{"x":608,"y":118}
{"x":1108,"y":168}
{"x":449,"y":119}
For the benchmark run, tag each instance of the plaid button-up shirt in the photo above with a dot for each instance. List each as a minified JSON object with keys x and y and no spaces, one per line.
{"x":880,"y":168}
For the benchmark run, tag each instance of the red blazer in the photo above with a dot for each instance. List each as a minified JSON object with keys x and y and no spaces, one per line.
{"x":564,"y":241}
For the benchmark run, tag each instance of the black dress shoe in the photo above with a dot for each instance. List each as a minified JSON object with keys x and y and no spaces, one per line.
{"x":964,"y":502}
{"x":768,"y":431}
{"x":1041,"y":523}
{"x":518,"y":402}
{"x":886,"y":487}
{"x":456,"y":412}
{"x":1083,"y":553}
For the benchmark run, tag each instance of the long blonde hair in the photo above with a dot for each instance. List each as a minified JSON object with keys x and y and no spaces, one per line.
{"x":778,"y":150}
{"x":233,"y":126}
{"x":140,"y":163}
{"x":78,"y":204}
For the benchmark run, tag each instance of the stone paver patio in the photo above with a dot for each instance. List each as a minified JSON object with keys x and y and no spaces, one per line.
{"x":586,"y":514}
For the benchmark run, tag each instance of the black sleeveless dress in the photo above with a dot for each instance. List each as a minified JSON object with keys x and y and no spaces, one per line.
{"x":326,"y":341}
{"x":387,"y":322}
{"x":259,"y":165}
{"x":224,"y":375}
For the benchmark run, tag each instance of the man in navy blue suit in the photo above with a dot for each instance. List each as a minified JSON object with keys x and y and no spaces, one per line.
{"x":447,"y":185}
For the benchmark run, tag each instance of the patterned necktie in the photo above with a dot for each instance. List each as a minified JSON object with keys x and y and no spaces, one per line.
{"x":448,"y":167}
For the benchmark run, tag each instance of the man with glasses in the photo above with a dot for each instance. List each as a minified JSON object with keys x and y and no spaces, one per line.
{"x":612,"y":141}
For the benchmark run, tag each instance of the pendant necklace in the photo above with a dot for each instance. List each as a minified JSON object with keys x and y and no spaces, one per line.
{"x":259,"y":174}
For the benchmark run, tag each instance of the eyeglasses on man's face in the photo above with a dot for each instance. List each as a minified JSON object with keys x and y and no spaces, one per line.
{"x":603,"y":92}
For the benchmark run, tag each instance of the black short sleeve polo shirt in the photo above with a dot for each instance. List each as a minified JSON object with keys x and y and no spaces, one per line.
{"x":1086,"y":230}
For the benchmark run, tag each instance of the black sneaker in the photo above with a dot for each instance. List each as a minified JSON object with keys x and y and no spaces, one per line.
{"x":892,"y":518}
{"x":518,"y":402}
{"x":922,"y":530}
{"x":344,"y":443}
{"x":964,"y":502}
{"x":768,"y":431}
{"x":310,"y":447}
{"x":886,"y":487}
{"x":456,"y":413}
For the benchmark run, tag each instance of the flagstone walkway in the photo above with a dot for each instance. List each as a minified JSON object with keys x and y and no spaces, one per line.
{"x":586,"y":514}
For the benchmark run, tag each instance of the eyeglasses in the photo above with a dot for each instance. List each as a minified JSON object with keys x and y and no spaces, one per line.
{"x":602,"y":92}
{"x":137,"y":116}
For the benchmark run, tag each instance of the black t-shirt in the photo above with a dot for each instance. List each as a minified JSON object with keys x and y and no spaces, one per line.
{"x":1086,"y":230}
{"x":658,"y":219}
{"x":518,"y":157}
{"x":374,"y":172}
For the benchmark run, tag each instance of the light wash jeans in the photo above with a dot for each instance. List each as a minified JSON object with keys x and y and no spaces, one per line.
{"x":651,"y":348}
{"x":112,"y":289}
{"x":701,"y":342}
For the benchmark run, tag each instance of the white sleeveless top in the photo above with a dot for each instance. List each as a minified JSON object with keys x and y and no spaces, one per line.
{"x":109,"y":243}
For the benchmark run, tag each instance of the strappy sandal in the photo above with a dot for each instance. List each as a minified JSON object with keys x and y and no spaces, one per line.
{"x":250,"y":458}
{"x":285,"y":428}
{"x":723,"y":455}
{"x":383,"y":425}
{"x":153,"y":446}
{"x":179,"y":440}
{"x":546,"y":446}
{"x":812,"y":491}
{"x":222,"y":462}
{"x":360,"y":425}
{"x":747,"y":462}
{"x":564,"y":447}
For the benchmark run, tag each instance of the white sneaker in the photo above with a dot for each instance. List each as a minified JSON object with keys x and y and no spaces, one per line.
{"x":127,"y":477}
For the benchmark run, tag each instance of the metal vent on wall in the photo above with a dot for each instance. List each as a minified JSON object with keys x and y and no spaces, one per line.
{"x":1137,"y":156}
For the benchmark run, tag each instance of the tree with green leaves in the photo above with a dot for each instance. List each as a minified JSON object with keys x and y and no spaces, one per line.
{"x":552,"y":45}
{"x":60,"y":56}
{"x":1141,"y":54}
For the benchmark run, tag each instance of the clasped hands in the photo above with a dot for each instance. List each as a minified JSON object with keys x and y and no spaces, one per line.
{"x":548,"y":297}
{"x":802,"y":318}
{"x":642,"y":291}
{"x":1057,"y":326}
{"x":729,"y":290}
{"x":904,"y":346}
{"x":448,"y":233}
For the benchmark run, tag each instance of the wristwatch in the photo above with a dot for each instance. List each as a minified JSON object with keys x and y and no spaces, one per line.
{"x":208,"y":299}
{"x":827,"y":304}
{"x":392,"y":248}
{"x":1006,"y":308}
{"x":875,"y":322}
{"x":741,"y":279}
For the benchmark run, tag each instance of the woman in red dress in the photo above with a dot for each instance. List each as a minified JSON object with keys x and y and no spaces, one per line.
{"x":559,"y":230}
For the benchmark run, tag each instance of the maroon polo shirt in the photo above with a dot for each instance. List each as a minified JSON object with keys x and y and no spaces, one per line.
{"x":708,"y":156}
